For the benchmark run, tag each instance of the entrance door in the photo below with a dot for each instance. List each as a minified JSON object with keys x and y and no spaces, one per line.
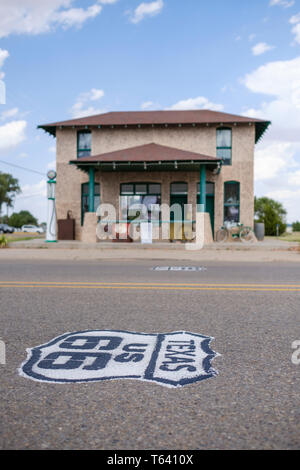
{"x":85,"y":198}
{"x":210,"y":202}
{"x":178,"y":198}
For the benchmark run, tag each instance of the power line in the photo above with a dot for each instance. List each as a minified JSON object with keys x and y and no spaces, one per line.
{"x":23,"y":168}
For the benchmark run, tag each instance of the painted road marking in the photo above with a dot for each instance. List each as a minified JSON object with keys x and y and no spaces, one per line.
{"x":179,"y":268}
{"x":169,"y":359}
{"x":152,"y":286}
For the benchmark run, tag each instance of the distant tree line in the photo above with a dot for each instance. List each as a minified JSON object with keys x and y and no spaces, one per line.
{"x":296,"y":226}
{"x":271,"y":213}
{"x":9,"y":188}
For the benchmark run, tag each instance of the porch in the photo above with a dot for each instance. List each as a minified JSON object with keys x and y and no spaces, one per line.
{"x":179,"y":185}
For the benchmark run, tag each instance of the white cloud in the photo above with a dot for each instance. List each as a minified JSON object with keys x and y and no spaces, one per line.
{"x":35,"y":190}
{"x":42,"y":16}
{"x":280,"y":80}
{"x":147,"y":9}
{"x":294,"y":179}
{"x":147,"y":104}
{"x":271,"y":159}
{"x":51,"y":165}
{"x":283,"y":3}
{"x":33,"y":198}
{"x":295,"y":20}
{"x":199,"y":102}
{"x":277,"y":157}
{"x":261,"y":48}
{"x":277,"y":174}
{"x":81,"y":107}
{"x":76,"y":16}
{"x":9,"y":114}
{"x":12,"y":134}
{"x":3,"y":56}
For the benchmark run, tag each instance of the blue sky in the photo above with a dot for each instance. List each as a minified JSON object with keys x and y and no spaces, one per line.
{"x":62,"y":58}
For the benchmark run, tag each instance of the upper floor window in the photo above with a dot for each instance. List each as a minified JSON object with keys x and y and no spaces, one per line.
{"x":224,"y":145}
{"x":84,"y":144}
{"x":232,"y":201}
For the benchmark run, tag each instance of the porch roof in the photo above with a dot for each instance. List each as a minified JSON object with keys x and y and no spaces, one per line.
{"x":152,"y":156}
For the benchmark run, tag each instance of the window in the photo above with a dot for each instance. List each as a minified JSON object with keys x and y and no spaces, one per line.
{"x":179,"y":189}
{"x":232,"y":201}
{"x":224,"y":145}
{"x":134,"y":194}
{"x":210,"y":188}
{"x":85,"y":198}
{"x":84,"y":144}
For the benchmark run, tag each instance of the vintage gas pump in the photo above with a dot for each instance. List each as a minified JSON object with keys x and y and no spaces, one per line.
{"x":51,"y":220}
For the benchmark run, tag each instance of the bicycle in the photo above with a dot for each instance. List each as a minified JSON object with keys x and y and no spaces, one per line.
{"x":244,"y":233}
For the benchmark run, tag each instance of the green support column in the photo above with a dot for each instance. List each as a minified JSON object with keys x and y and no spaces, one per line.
{"x":203,"y":188}
{"x":91,"y":189}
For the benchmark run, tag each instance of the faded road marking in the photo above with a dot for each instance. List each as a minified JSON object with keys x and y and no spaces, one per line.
{"x":152,"y":286}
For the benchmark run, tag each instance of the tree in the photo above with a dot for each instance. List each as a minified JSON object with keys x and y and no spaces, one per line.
{"x":9,"y":187}
{"x":271,"y":213}
{"x":17,"y":219}
{"x":296,"y":226}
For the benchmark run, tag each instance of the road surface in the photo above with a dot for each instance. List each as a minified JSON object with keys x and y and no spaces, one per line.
{"x":251,"y":309}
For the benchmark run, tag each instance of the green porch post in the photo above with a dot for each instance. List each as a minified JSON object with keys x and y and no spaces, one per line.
{"x":203,"y":188}
{"x":91,"y":189}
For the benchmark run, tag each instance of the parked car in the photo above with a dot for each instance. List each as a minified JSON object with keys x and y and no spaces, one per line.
{"x":32,"y":229}
{"x":4,"y":228}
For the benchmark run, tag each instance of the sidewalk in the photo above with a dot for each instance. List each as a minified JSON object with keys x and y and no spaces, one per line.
{"x":268,"y":251}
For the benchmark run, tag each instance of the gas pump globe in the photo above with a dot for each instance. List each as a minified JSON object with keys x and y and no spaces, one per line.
{"x":51,"y":220}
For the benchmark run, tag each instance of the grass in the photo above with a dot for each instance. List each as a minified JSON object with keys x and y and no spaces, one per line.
{"x":290,"y":237}
{"x":286,"y":237}
{"x":23,"y":236}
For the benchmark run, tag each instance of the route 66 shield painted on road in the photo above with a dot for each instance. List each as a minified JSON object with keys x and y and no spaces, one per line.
{"x":170,"y":359}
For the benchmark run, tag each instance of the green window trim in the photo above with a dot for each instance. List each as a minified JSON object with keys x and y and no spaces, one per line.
{"x":234,"y":204}
{"x":136,"y":192}
{"x":85,"y":197}
{"x":222,"y":150}
{"x":208,"y":193}
{"x":84,"y":152}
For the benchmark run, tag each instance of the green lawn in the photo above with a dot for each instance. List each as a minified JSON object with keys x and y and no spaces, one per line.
{"x":287,"y":237}
{"x":22,"y":236}
{"x":290,"y":237}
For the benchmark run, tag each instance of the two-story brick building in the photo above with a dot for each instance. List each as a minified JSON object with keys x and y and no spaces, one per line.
{"x":158,"y":157}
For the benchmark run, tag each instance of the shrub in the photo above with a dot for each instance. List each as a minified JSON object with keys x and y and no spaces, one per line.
{"x":296,"y":226}
{"x":3,"y":241}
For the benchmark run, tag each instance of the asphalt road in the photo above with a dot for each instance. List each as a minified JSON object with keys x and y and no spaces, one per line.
{"x":252,"y":310}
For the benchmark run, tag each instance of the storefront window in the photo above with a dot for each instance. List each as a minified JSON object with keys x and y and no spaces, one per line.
{"x":140,"y":200}
{"x":232,"y":201}
{"x":179,"y":188}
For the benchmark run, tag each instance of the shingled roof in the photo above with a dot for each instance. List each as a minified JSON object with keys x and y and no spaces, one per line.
{"x":158,"y":118}
{"x":148,"y":153}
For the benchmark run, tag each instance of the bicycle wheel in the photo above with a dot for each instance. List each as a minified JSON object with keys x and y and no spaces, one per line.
{"x":246,"y":235}
{"x":221,"y":235}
